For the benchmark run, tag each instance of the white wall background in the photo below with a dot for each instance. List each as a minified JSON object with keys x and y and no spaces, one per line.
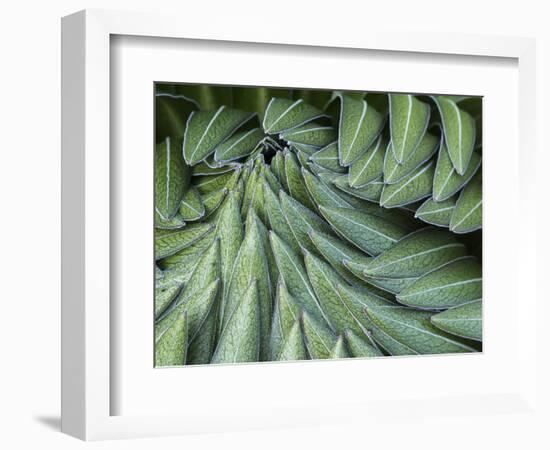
{"x":30,"y":195}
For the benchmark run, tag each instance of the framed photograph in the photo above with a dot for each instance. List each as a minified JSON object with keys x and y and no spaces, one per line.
{"x":258,"y":229}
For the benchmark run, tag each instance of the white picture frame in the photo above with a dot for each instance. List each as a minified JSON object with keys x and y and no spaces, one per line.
{"x":92,"y":344}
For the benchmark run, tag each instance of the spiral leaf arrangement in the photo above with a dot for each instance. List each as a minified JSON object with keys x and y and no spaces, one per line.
{"x":296,"y":224}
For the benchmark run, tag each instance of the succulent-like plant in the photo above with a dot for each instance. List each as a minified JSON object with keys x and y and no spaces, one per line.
{"x":301,"y":224}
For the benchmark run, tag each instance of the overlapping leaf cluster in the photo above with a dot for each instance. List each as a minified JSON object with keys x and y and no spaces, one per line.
{"x":298,"y":225}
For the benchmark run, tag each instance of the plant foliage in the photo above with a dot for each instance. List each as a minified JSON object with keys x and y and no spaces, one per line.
{"x":301,"y":224}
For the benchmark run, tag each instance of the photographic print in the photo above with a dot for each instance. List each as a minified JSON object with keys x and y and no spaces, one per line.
{"x":300,"y":224}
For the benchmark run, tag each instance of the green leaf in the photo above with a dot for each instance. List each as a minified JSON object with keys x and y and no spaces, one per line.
{"x":325,"y":281}
{"x":250,"y":191}
{"x":398,"y":216}
{"x":204,"y":168}
{"x":447,"y":181}
{"x":359,"y":126}
{"x":451,"y":285}
{"x":357,"y":301}
{"x":460,"y":132}
{"x":395,"y":172}
{"x":301,"y":220}
{"x":196,"y":304}
{"x":211,"y":183}
{"x":207,"y":129}
{"x":359,"y":347}
{"x":171,"y":344}
{"x":191,"y":206}
{"x":234,"y":181}
{"x":172,"y":178}
{"x":239,"y":145}
{"x":257,"y":202}
{"x":271,"y":179}
{"x":285,"y":313}
{"x":283,"y":114}
{"x":418,"y":253}
{"x":277,"y":220}
{"x":436,"y":213}
{"x":171,"y":113}
{"x":278,"y":166}
{"x":355,"y":268}
{"x":473,"y":106}
{"x":169,"y":244}
{"x":204,"y":273}
{"x":293,"y":348}
{"x":327,"y":158}
{"x":371,"y":191}
{"x":413,"y":328}
{"x":321,"y":193}
{"x":336,"y":216}
{"x":266,"y":302}
{"x":306,"y":149}
{"x":389,"y":344}
{"x":318,"y":338}
{"x":172,"y":224}
{"x":172,"y":277}
{"x":295,"y":182}
{"x":335,"y":251}
{"x":213,"y":200}
{"x":182,"y":261}
{"x":468,"y":212}
{"x":303,"y":157}
{"x":464,"y":321}
{"x":240,"y":338}
{"x":370,"y":233}
{"x":392,"y":285}
{"x":201,"y":349}
{"x":410,"y":189}
{"x":164,"y":296}
{"x":293,"y":273}
{"x":238,"y":190}
{"x":251,"y":265}
{"x":230,"y":231}
{"x":409,"y":118}
{"x":369,"y":166}
{"x":272,"y":266}
{"x":319,"y":171}
{"x":311,"y":134}
{"x":207,"y":269}
{"x":339,"y":350}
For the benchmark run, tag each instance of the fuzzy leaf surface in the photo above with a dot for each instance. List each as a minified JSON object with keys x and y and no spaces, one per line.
{"x":240,"y":339}
{"x":468,"y":213}
{"x":418,"y":253}
{"x":207,"y":129}
{"x":358,"y":127}
{"x":168,"y":244}
{"x":409,"y":118}
{"x":464,"y":321}
{"x":415,"y":329}
{"x":369,"y":233}
{"x":453,"y":284}
{"x":460,"y":132}
{"x":283,"y":114}
{"x":172,"y":177}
